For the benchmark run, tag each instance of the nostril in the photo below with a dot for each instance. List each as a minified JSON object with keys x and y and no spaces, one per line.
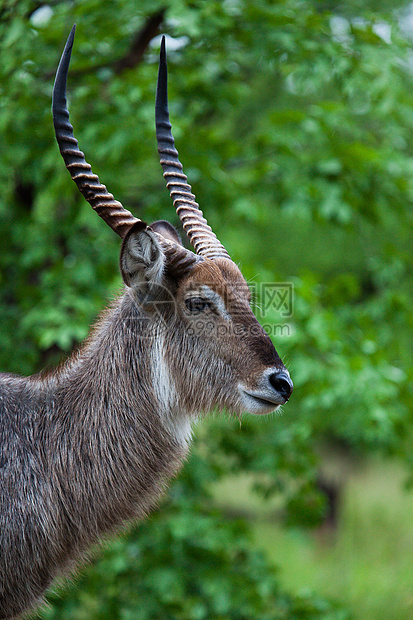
{"x":281,"y":383}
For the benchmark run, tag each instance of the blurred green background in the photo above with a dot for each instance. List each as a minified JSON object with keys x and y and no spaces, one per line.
{"x":294,"y":122}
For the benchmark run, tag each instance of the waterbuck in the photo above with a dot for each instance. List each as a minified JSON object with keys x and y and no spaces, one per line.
{"x":92,"y":444}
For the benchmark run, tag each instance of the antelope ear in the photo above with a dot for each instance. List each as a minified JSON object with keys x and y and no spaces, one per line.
{"x":166,"y":229}
{"x":142,"y":259}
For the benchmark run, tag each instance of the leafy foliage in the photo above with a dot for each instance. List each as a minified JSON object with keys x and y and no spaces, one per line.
{"x":176,"y":566}
{"x":300,"y":117}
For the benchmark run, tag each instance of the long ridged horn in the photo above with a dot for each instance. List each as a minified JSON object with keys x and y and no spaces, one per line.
{"x":195,"y":225}
{"x":109,"y":209}
{"x":179,"y":259}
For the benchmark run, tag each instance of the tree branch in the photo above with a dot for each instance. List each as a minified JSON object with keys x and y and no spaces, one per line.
{"x":135,"y":53}
{"x":140,"y":43}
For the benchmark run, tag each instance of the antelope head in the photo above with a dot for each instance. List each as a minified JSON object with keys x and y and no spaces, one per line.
{"x":214,"y":348}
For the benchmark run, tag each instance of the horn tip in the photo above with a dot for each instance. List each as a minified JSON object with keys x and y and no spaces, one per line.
{"x":71,"y":37}
{"x":162,"y":53}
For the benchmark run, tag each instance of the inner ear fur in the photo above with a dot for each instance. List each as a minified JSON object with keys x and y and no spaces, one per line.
{"x":142,"y":260}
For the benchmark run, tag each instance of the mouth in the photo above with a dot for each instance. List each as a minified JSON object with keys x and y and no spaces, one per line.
{"x":258,"y":404}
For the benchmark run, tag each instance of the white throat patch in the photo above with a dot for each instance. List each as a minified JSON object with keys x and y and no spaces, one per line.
{"x":176,"y":421}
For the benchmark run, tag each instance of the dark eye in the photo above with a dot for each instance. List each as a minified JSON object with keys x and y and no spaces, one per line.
{"x":196,"y":305}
